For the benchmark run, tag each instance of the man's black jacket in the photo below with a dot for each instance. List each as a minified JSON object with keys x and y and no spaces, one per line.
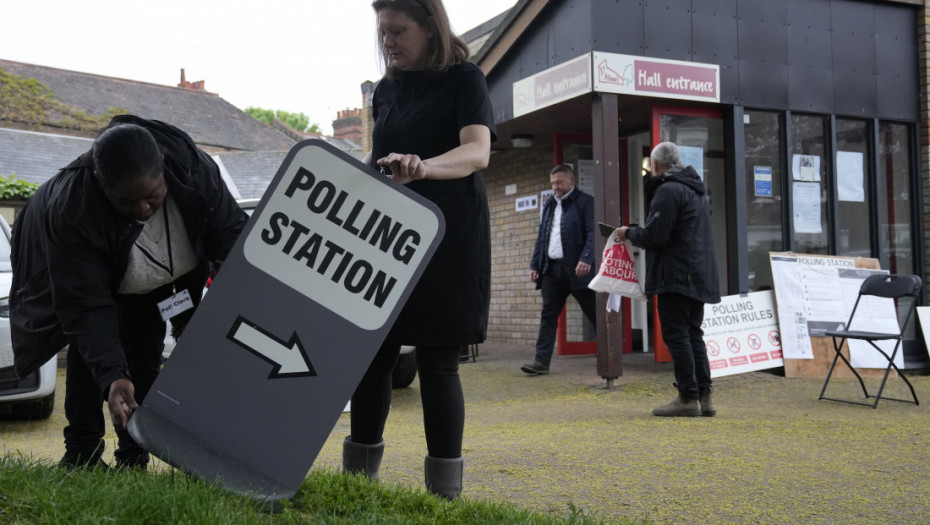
{"x":70,"y":249}
{"x":677,"y":238}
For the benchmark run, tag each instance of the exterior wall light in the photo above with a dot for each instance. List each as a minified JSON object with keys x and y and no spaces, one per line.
{"x":521,"y":141}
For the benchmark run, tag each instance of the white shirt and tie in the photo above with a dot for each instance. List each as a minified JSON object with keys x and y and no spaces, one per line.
{"x":554,"y":250}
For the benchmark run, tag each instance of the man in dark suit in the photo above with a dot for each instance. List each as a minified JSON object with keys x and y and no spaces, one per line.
{"x":562,"y":260}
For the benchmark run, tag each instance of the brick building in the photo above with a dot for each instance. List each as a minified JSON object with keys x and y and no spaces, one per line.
{"x":749,"y":87}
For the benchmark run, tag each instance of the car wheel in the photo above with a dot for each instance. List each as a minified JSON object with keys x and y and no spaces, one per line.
{"x":40,"y":409}
{"x":405,"y":370}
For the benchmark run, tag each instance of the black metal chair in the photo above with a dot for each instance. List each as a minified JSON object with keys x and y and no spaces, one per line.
{"x":880,"y":285}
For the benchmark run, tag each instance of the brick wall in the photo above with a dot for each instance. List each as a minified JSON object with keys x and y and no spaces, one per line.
{"x":515,"y":302}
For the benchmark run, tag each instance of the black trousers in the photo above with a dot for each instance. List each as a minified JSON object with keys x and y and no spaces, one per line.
{"x":681,"y":318}
{"x":142,"y":335}
{"x":440,"y":393}
{"x":556,"y":287}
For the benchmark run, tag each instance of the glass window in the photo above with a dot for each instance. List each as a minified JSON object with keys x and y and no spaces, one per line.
{"x":809,"y":168}
{"x":894,"y":198}
{"x":853,"y":166}
{"x":764,"y":198}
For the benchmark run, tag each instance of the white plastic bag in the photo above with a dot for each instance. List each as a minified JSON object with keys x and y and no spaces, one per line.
{"x":616,"y":274}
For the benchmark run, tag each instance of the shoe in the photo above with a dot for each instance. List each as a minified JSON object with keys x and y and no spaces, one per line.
{"x":707,"y":403}
{"x":681,"y":406}
{"x":137,"y":462}
{"x":535,"y":368}
{"x":76,"y":460}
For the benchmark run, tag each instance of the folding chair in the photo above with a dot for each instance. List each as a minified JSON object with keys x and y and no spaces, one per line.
{"x":469,"y":353}
{"x":881,"y":285}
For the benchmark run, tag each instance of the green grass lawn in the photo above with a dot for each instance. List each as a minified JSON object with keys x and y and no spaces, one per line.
{"x":36,"y":492}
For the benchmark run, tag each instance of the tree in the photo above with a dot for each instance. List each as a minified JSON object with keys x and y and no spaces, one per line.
{"x":297,"y":121}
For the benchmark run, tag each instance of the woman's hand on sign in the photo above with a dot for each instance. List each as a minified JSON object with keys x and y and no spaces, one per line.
{"x":404,"y":168}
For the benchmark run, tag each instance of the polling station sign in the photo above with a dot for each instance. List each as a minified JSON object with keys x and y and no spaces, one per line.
{"x":357,"y":246}
{"x":741,"y":334}
{"x":253,"y":389}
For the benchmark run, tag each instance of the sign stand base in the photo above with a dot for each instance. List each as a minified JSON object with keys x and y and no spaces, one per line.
{"x":181,"y":449}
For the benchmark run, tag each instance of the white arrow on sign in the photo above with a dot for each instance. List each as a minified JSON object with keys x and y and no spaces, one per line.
{"x":289,"y":357}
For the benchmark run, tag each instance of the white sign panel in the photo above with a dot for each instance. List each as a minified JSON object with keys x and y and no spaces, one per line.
{"x":558,"y":83}
{"x":527,"y":203}
{"x":338,"y":241}
{"x":621,"y":74}
{"x":816,"y":294}
{"x":741,"y":334}
{"x":656,"y":77}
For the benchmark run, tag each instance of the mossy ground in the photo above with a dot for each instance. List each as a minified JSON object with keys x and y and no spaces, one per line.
{"x":773,"y":454}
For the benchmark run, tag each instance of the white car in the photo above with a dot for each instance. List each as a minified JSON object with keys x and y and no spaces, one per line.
{"x":32,"y":397}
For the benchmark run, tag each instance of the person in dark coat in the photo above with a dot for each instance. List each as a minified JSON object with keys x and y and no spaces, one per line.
{"x":681,"y":272}
{"x":433,"y":132}
{"x":562,"y":260}
{"x":139,"y":219}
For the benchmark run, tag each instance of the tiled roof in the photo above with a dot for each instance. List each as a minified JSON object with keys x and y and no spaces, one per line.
{"x":210,"y":120}
{"x":36,"y":157}
{"x":252,"y":171}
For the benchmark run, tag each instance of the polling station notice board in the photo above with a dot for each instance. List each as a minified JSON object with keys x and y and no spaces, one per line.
{"x":815,"y":293}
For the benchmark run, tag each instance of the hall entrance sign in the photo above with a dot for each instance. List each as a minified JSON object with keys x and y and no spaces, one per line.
{"x":302,"y":304}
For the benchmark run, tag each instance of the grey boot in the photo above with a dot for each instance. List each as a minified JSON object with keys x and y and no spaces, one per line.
{"x":681,"y":406}
{"x":444,"y":476}
{"x":358,"y":458}
{"x":707,"y":402}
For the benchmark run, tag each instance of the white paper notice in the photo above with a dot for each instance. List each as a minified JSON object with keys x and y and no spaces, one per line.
{"x":874,"y":314}
{"x":789,"y":297}
{"x":821,"y":294}
{"x":805,"y":168}
{"x":586,"y":175}
{"x":806,"y":204}
{"x":849,"y":176}
{"x":694,"y":157}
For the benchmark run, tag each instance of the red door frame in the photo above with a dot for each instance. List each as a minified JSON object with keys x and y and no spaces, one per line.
{"x":567,"y":347}
{"x":661,"y":351}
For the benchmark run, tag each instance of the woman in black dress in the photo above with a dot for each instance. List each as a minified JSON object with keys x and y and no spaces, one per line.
{"x":433,"y":132}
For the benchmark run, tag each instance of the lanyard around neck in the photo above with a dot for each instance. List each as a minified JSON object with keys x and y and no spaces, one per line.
{"x":170,"y":267}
